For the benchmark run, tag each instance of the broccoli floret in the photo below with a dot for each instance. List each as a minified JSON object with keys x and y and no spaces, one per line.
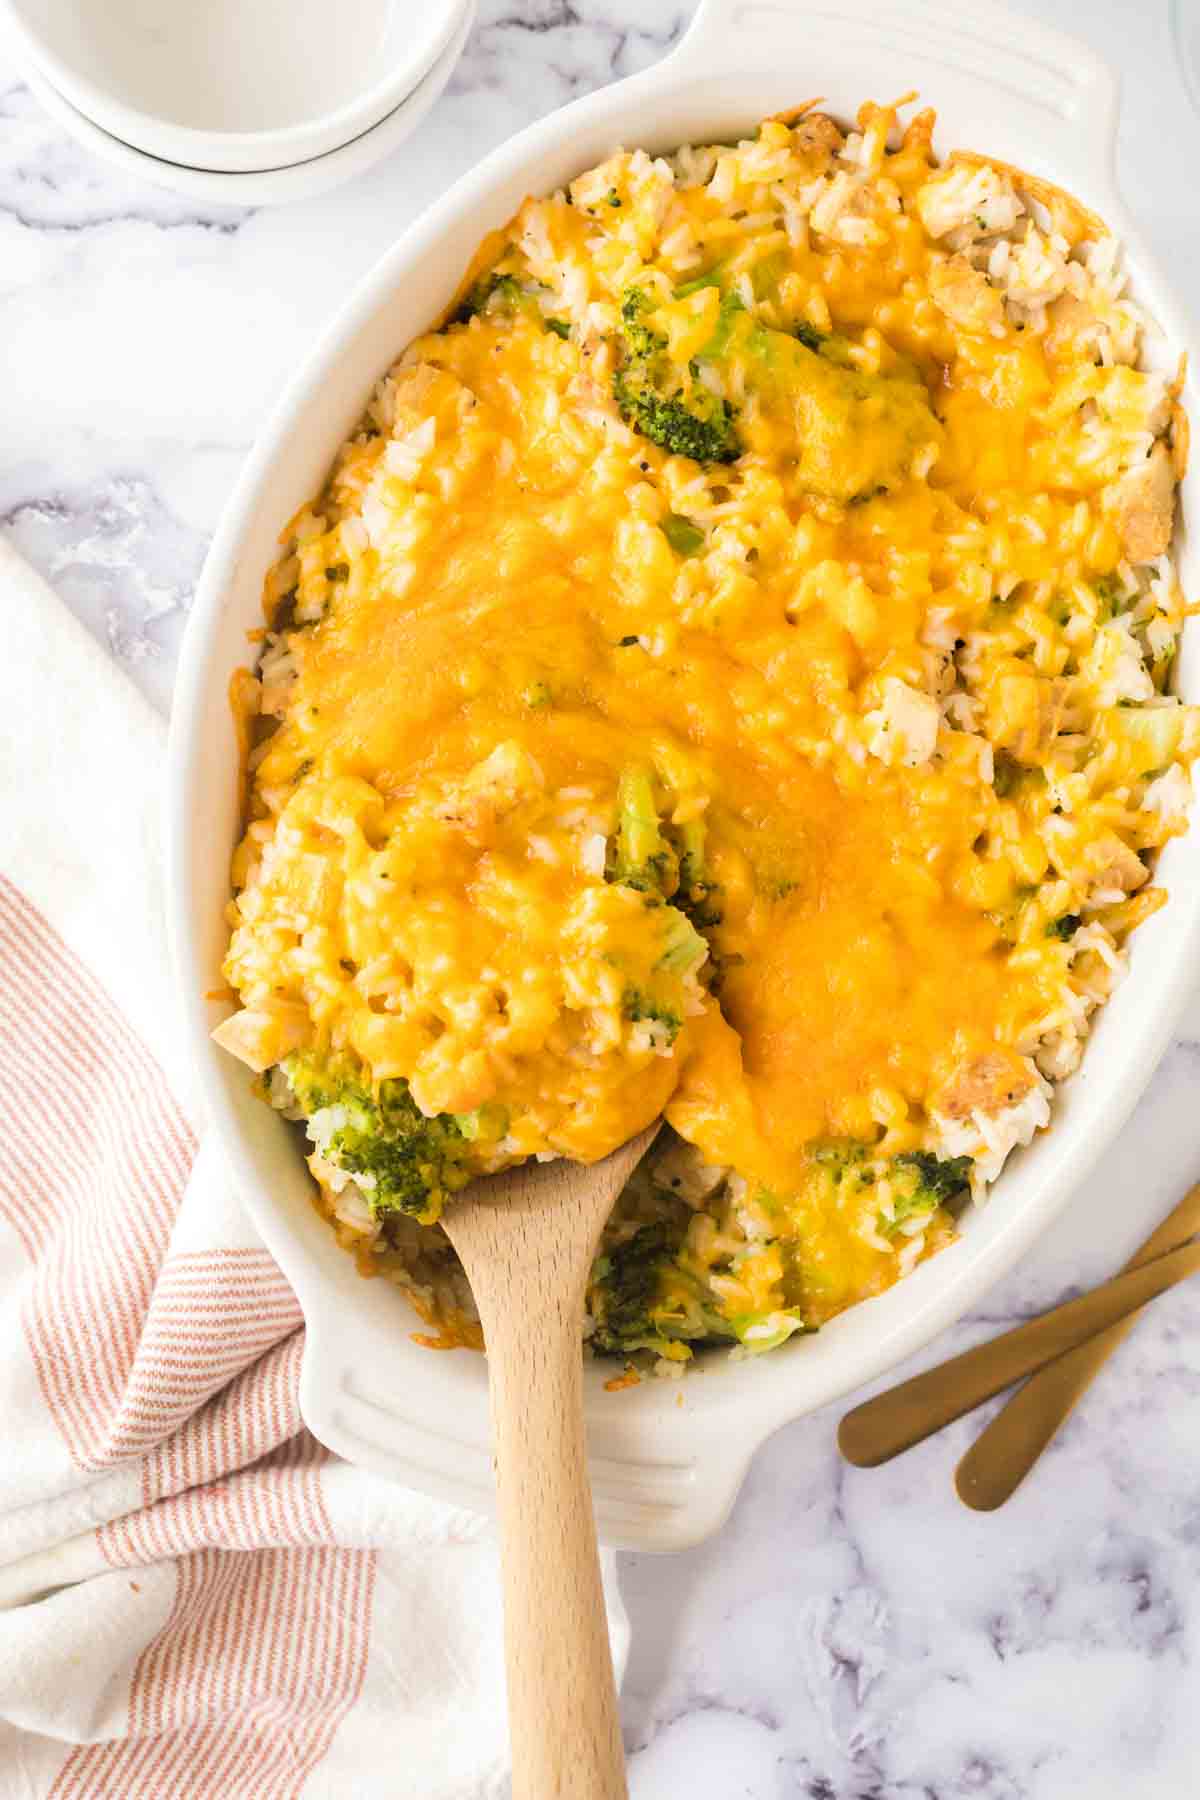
{"x":505,"y":288}
{"x":402,"y":1161}
{"x":1064,"y":928}
{"x":841,"y":1158}
{"x":640,"y":1007}
{"x":941,"y":1177}
{"x":643,"y":1296}
{"x":664,"y":403}
{"x":938,"y":1178}
{"x":666,"y":863}
{"x":673,"y":868}
{"x":639,"y":339}
{"x":495,"y":293}
{"x":705,"y":433}
{"x":626,"y":1284}
{"x":642,"y":1299}
{"x":921,"y":1183}
{"x":854,"y":432}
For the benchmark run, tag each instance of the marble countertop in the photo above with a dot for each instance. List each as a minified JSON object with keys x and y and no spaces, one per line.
{"x":849,"y":1635}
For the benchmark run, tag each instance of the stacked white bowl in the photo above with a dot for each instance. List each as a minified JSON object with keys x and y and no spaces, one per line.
{"x":246,"y":101}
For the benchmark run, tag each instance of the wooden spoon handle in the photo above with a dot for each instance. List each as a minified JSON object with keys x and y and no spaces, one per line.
{"x":906,"y":1415}
{"x":1005,"y":1451}
{"x":566,"y":1737}
{"x":526,"y":1239}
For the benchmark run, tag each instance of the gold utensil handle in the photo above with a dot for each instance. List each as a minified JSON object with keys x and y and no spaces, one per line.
{"x":881,"y":1428}
{"x":1005,"y":1451}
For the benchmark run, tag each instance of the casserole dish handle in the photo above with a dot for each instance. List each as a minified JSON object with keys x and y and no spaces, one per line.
{"x":1060,"y":98}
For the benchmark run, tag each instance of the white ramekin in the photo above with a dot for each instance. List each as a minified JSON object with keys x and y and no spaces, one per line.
{"x":667,"y":1458}
{"x":235,"y":86}
{"x":269,"y":187}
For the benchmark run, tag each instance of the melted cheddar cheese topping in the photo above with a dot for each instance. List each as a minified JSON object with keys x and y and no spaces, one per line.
{"x":725,"y":677}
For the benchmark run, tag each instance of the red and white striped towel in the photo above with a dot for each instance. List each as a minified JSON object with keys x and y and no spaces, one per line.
{"x":196,"y":1599}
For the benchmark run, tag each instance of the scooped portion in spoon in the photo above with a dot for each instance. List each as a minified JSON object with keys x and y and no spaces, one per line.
{"x":488,"y":981}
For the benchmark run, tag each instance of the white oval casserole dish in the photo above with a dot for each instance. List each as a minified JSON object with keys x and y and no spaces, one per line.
{"x":665,"y":1473}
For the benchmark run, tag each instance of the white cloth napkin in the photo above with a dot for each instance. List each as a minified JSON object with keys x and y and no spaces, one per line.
{"x":195,"y":1598}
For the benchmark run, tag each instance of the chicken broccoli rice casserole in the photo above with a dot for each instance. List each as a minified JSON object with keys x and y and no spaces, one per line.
{"x":726,"y":676}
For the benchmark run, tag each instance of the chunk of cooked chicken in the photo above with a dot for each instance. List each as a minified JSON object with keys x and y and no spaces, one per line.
{"x":817,"y":138}
{"x":682,"y":1169}
{"x":966,"y":296}
{"x":493,"y":788}
{"x":1072,"y":326}
{"x":972,"y":199}
{"x":260,"y":1037}
{"x":987,"y":1084}
{"x":1112,"y":865}
{"x":1024,"y":710}
{"x":1143,"y":503}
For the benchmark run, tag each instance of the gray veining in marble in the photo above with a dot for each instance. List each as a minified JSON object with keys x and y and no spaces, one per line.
{"x":849,"y":1635}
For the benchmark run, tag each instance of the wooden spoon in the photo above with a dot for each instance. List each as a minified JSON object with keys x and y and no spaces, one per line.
{"x":526,"y":1240}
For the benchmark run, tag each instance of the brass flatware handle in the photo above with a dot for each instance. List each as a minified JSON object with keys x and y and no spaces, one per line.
{"x":881,"y":1428}
{"x":1006,"y":1449}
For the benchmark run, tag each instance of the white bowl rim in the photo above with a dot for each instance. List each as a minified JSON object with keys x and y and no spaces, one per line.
{"x":243,"y":152}
{"x":262,"y":187}
{"x":651,"y":1448}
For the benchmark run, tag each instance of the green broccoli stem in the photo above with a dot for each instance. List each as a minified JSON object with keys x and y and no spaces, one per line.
{"x":697,"y":895}
{"x":642,"y":857}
